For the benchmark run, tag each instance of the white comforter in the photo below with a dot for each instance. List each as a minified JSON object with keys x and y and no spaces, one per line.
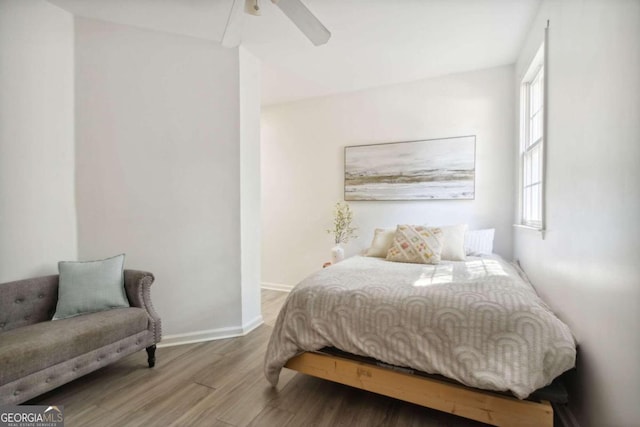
{"x":476,"y":322}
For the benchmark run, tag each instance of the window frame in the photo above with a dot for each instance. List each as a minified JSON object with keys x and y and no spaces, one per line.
{"x":536,"y":74}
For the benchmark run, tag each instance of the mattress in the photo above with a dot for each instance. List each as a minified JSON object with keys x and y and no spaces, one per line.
{"x":476,"y":321}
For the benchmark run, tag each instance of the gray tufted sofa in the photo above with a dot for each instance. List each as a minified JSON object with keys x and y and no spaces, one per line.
{"x":37,"y":354}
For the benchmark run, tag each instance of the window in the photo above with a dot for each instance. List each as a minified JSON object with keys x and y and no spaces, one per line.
{"x":532,"y":104}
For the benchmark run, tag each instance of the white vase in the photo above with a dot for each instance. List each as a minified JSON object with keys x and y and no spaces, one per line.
{"x":337,"y":254}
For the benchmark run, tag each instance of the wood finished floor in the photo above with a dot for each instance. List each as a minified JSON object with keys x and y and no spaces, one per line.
{"x":221,"y":384}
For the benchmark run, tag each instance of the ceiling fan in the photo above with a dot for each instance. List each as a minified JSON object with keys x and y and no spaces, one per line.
{"x":298,"y":13}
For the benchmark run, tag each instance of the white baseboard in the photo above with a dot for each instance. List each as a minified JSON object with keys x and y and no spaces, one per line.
{"x":252,"y":324}
{"x":276,"y":287}
{"x":210,"y":334}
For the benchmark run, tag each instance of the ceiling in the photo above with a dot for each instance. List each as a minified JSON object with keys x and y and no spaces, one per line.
{"x":373,"y":43}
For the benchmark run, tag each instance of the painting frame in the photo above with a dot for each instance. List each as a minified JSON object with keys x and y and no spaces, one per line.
{"x":418,"y":170}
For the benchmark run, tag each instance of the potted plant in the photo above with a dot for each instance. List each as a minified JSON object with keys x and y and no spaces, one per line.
{"x":342,"y":230}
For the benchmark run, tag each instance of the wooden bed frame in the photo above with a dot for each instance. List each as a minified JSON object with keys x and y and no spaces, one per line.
{"x":484,"y":406}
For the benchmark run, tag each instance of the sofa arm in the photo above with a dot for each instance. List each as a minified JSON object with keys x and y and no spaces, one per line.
{"x":137,"y":284}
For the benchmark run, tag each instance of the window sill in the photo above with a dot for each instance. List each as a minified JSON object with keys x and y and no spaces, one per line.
{"x":542,"y":231}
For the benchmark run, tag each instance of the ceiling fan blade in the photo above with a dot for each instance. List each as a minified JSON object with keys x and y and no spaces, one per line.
{"x":298,"y":13}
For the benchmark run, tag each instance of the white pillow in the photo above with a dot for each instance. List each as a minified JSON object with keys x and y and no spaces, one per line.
{"x":479,"y":242}
{"x":453,"y":237}
{"x":382,"y":240}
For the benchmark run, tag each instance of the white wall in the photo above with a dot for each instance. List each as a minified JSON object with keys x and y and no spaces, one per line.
{"x":37,"y":203}
{"x":250,"y":186}
{"x":303,"y":163}
{"x":587,"y":266}
{"x":158,"y":168}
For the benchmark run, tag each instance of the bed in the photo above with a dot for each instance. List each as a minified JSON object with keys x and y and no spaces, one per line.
{"x":476,"y":323}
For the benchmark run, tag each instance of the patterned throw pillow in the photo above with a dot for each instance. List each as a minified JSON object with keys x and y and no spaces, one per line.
{"x":417,"y":244}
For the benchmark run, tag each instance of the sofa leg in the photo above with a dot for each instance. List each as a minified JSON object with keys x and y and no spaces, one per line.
{"x":151,"y":352}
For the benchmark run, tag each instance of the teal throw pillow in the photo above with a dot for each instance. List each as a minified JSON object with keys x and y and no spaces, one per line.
{"x":90,"y":286}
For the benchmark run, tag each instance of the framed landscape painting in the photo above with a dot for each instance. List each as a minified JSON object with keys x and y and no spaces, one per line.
{"x":432,"y":169}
